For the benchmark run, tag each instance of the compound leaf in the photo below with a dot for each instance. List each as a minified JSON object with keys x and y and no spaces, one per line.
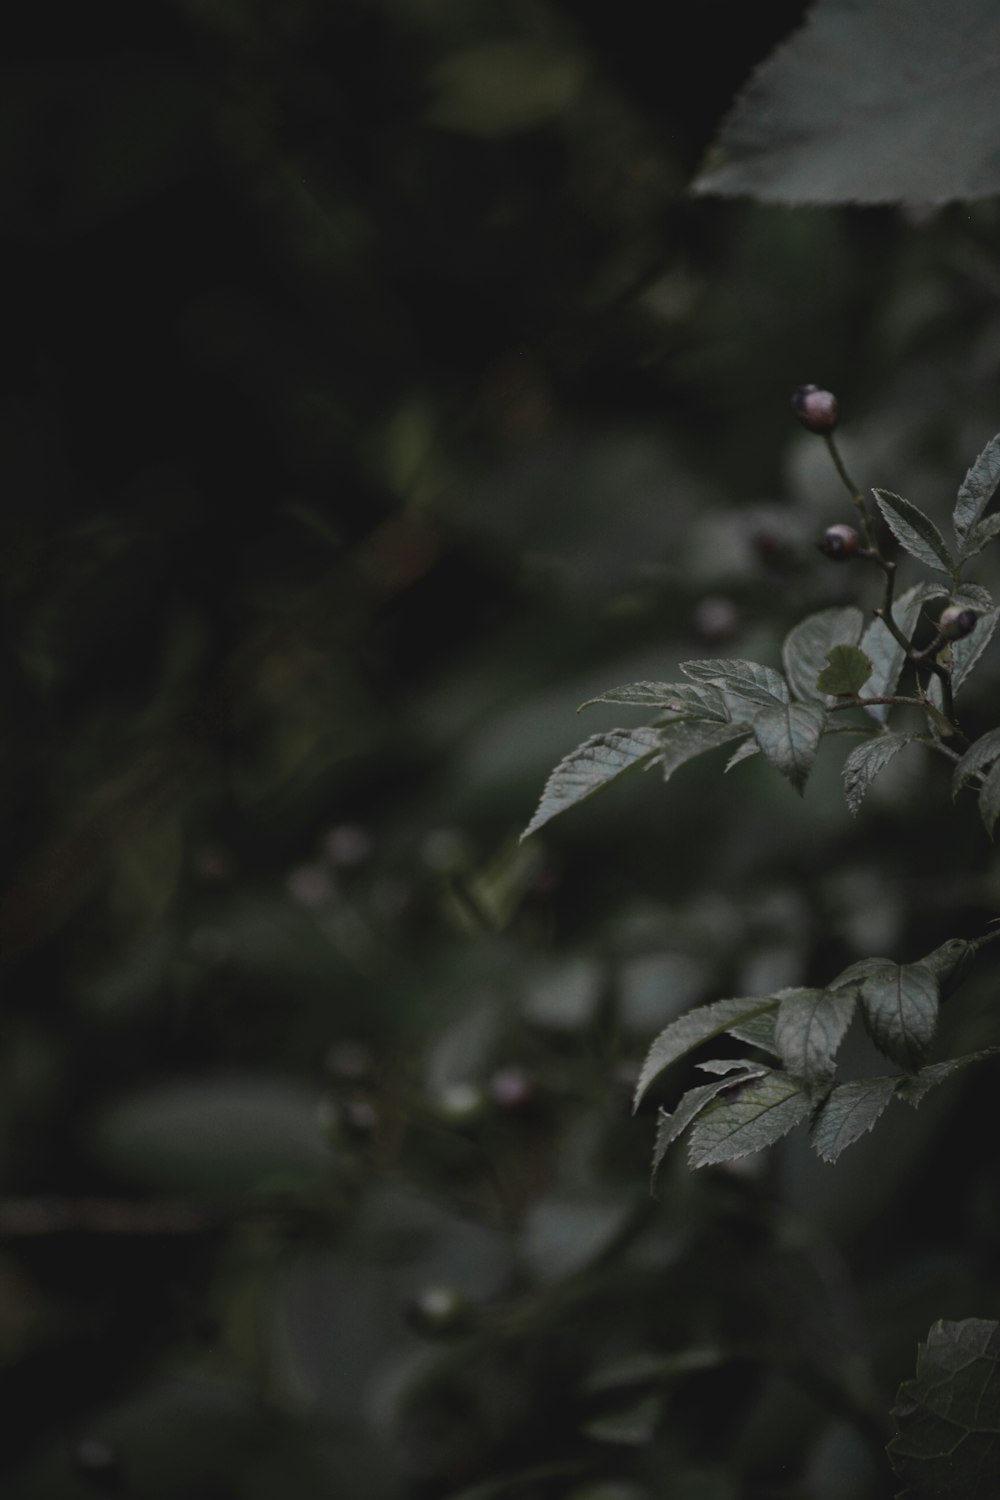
{"x":693,"y":1028}
{"x":866,"y":761}
{"x":976,"y":492}
{"x":900,"y":1005}
{"x":847,"y":1112}
{"x":756,"y":1115}
{"x":590,"y":766}
{"x":788,"y":735}
{"x":915,"y":531}
{"x":947,"y":1443}
{"x":804,"y":653}
{"x":847,"y":672}
{"x":809,"y":1027}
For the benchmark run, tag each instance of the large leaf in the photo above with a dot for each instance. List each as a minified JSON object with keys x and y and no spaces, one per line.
{"x":978,"y":489}
{"x":788,"y":735}
{"x":884,"y":651}
{"x":682,"y":741}
{"x":866,"y":761}
{"x":669,"y":1127}
{"x":947,"y":1443}
{"x":745,"y":680}
{"x":847,"y":1112}
{"x":915,"y":531}
{"x":880,"y":103}
{"x":690,"y":1030}
{"x":809,"y":1028}
{"x":804,"y":653}
{"x":754,"y":1117}
{"x":591,"y":766}
{"x":846,"y":672}
{"x":900,"y":1004}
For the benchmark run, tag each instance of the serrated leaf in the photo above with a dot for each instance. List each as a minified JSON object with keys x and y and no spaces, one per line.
{"x":789,"y":736}
{"x":809,"y":1027}
{"x":947,"y":1443}
{"x":966,"y":652}
{"x":950,"y":964}
{"x":670,"y":1126}
{"x":683,"y":740}
{"x":804,"y":653}
{"x":746,"y":680}
{"x":868,"y":104}
{"x":884,"y":651}
{"x":914,"y":1087}
{"x":693,"y":1028}
{"x":973,"y":595}
{"x":979,"y":537}
{"x":677,"y":697}
{"x":865,"y":762}
{"x":742,"y":752}
{"x":989,"y":800}
{"x":847,"y":672}
{"x":980,"y":754}
{"x":754,"y":1117}
{"x":856,"y":973}
{"x":590,"y":766}
{"x":758,"y":1031}
{"x":977,"y":490}
{"x":915,"y":531}
{"x":847,"y":1112}
{"x":725,"y":1065}
{"x":900,"y":1006}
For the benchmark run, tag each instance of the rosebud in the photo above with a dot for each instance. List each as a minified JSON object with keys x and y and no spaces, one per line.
{"x":840,"y":543}
{"x":815,"y":409}
{"x":957,"y":621}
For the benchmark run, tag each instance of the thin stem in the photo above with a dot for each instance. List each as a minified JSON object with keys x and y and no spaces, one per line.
{"x":854,"y":492}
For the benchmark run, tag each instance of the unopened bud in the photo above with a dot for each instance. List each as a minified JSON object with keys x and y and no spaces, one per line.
{"x":957,"y":621}
{"x":840,"y":543}
{"x":815,"y":409}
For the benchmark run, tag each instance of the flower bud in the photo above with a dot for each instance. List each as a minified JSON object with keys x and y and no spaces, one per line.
{"x":815,"y":409}
{"x":840,"y":543}
{"x":957,"y":621}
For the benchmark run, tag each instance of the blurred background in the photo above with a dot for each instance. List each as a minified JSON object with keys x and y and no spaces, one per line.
{"x":376,"y":393}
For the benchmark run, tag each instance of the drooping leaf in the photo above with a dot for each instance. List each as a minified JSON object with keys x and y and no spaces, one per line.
{"x":865,"y":762}
{"x":884,"y":651}
{"x":590,"y":766}
{"x":675,"y":696}
{"x":947,"y":1443}
{"x":847,"y":1112}
{"x":900,"y":1005}
{"x":977,"y":490}
{"x":788,"y":735}
{"x":756,"y":1115}
{"x":869,"y":104}
{"x":914,"y":1087}
{"x":742,"y":752}
{"x":809,"y":1027}
{"x":804,"y":653}
{"x":980,"y":754}
{"x":989,"y":800}
{"x":979,"y":537}
{"x":847,"y":672}
{"x":690,"y":1030}
{"x":683,"y":740}
{"x":746,"y":680}
{"x":670,"y":1126}
{"x":915,"y":531}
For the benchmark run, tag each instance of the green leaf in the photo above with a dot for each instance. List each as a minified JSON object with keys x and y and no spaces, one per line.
{"x":590,"y":766}
{"x":690,"y":1030}
{"x":866,"y":761}
{"x":677,"y":697}
{"x":691,"y":700}
{"x":669,"y":1127}
{"x":742,"y":752}
{"x":758,"y":1031}
{"x":980,"y":754}
{"x":989,"y":800}
{"x":950,"y":964}
{"x":847,"y":1112}
{"x":915,"y":531}
{"x":804,"y":653}
{"x":966,"y":652}
{"x":848,"y":671}
{"x":977,"y":490}
{"x":789,"y":736}
{"x":809,"y":1028}
{"x":884,"y":651}
{"x":979,"y":537}
{"x":869,"y":104}
{"x":900,"y":1005}
{"x":758,"y":1114}
{"x":914,"y":1087}
{"x":947,"y":1443}
{"x":972,"y":594}
{"x":746,"y":680}
{"x":683,"y":740}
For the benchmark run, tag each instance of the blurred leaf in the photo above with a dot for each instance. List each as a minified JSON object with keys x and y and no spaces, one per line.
{"x":562,"y":1236}
{"x":809,"y":1028}
{"x":865,"y":762}
{"x":591,"y":766}
{"x":989,"y":799}
{"x":633,"y":1426}
{"x":505,"y":87}
{"x":847,"y":1112}
{"x":760,"y":1113}
{"x":947,"y":1443}
{"x":804,"y":653}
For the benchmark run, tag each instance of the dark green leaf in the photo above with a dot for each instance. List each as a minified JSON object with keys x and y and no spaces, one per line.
{"x":809,"y":1028}
{"x":804,"y":654}
{"x":950,"y":964}
{"x":690,"y":1030}
{"x":789,"y":736}
{"x":869,"y":104}
{"x":972,"y":594}
{"x":980,"y":754}
{"x":669,"y":1127}
{"x":966,"y":652}
{"x":979,"y":537}
{"x":947,"y":1443}
{"x":591,"y":766}
{"x":758,"y":1031}
{"x":848,"y":671}
{"x":757,"y":1115}
{"x":866,"y":761}
{"x":915,"y":531}
{"x":742,"y":752}
{"x":683,"y":740}
{"x":695,"y":701}
{"x":900,"y":1004}
{"x":884,"y":651}
{"x":989,"y":800}
{"x":746,"y":680}
{"x":977,"y":490}
{"x":916,"y":1085}
{"x":847,"y":1112}
{"x":678,"y":697}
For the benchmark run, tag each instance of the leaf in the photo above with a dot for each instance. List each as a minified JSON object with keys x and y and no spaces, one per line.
{"x":683,"y":740}
{"x":979,"y":537}
{"x":866,"y":761}
{"x":914,"y":1087}
{"x":847,"y":1112}
{"x":591,"y":766}
{"x":947,"y":1443}
{"x":966,"y":652}
{"x":724,"y":1065}
{"x":884,"y":651}
{"x":789,"y":736}
{"x":974,"y":595}
{"x":950,"y":964}
{"x":696,"y":701}
{"x":804,"y":652}
{"x":976,"y":492}
{"x":758,"y":1031}
{"x":869,"y":104}
{"x":675,"y":696}
{"x":915,"y":531}
{"x":900,"y":1005}
{"x":690,"y":1030}
{"x":989,"y":800}
{"x":981,"y":753}
{"x":848,"y":671}
{"x":669,"y":1127}
{"x":809,"y":1028}
{"x":760,"y":1113}
{"x":744,"y":679}
{"x":742,"y":752}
